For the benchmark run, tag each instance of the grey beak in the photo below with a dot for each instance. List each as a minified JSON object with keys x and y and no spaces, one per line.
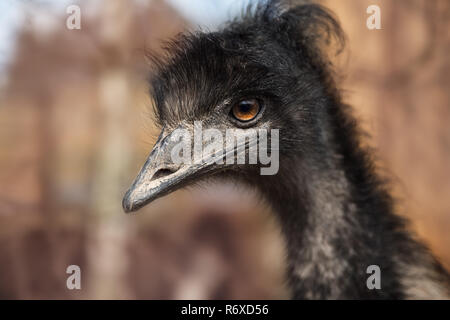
{"x":160,"y":176}
{"x":157,"y":177}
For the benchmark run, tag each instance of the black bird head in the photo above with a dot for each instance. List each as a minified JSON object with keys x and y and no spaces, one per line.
{"x":266,"y":70}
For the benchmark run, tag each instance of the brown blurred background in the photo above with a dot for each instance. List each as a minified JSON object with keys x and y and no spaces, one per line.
{"x":75,"y":126}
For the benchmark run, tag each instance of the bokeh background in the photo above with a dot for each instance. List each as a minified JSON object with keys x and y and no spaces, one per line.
{"x":76,"y":125}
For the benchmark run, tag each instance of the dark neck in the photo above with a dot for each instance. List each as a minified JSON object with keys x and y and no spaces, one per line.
{"x":337,"y":220}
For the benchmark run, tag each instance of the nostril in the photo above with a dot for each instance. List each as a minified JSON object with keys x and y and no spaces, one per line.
{"x":162,"y":173}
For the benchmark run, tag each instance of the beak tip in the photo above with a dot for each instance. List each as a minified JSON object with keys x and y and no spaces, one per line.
{"x":127,"y":202}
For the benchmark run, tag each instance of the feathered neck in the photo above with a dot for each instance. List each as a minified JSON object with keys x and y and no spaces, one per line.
{"x":337,"y":219}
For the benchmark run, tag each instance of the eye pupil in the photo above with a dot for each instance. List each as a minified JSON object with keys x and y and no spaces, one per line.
{"x":246,"y":110}
{"x":245,"y":106}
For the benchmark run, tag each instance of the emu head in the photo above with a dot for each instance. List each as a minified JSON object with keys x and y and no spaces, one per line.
{"x":266,"y":70}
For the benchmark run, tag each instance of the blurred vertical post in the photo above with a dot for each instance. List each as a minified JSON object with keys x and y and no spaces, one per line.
{"x":108,"y":236}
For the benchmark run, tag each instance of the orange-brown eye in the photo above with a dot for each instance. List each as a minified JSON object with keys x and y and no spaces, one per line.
{"x":246,"y":110}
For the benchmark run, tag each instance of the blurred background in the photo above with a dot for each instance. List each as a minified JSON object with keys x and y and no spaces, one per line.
{"x":76,"y":125}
